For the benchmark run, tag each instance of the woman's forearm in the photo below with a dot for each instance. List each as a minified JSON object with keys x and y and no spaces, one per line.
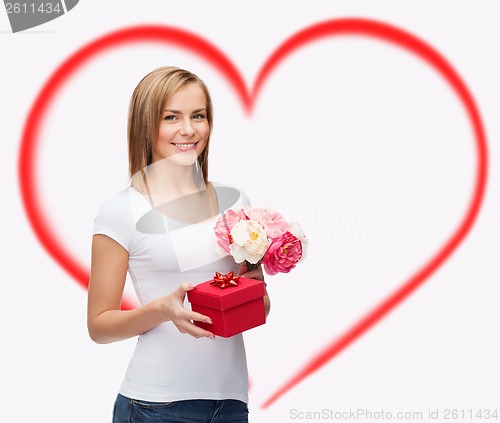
{"x":117,"y":325}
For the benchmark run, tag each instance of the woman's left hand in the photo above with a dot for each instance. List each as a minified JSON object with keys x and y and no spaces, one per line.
{"x":259,"y":275}
{"x":252,"y":274}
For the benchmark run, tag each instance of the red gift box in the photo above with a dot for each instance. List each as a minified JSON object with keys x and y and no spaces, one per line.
{"x":234,"y":309}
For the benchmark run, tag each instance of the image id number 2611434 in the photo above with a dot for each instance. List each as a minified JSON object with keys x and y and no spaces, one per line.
{"x":32,"y":8}
{"x":485,"y":414}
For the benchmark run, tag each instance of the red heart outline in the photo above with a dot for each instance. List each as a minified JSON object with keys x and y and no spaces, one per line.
{"x":207,"y":51}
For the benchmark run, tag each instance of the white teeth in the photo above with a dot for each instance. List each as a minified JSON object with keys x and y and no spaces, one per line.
{"x":185,"y":145}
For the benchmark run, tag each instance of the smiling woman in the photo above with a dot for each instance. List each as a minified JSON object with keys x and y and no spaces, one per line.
{"x":171,"y":376}
{"x":165,"y":111}
{"x":184,"y":127}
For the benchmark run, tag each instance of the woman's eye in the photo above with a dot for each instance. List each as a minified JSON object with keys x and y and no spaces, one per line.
{"x":169,"y":117}
{"x":199,"y":116}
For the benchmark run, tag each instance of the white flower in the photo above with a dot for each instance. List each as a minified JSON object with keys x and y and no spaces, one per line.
{"x":250,"y":241}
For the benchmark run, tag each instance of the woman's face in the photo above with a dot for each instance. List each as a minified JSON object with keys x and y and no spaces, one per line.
{"x":184,"y":129}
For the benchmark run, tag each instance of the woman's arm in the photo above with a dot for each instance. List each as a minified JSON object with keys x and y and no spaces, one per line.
{"x":107,"y":322}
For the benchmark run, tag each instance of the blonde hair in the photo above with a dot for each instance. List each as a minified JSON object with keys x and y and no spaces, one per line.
{"x":146,"y":108}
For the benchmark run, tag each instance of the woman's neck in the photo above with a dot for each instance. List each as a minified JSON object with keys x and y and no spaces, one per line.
{"x":168,"y":181}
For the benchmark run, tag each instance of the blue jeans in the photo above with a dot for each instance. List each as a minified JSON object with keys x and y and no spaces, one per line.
{"x":128,"y":410}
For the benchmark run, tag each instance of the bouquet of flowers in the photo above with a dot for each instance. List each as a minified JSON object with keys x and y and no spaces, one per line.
{"x":261,"y":236}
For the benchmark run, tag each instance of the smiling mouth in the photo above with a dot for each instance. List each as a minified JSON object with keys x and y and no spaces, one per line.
{"x":185,"y":145}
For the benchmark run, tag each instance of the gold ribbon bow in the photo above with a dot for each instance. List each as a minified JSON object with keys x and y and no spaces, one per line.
{"x":225,"y":281}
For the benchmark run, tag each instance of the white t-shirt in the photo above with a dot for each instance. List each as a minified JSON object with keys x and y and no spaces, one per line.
{"x":168,"y":365}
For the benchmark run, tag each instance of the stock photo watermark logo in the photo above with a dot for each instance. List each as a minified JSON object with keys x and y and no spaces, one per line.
{"x":351,"y":224}
{"x":28,"y":14}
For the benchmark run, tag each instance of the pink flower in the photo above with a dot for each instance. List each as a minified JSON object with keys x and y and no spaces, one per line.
{"x":273,"y":222}
{"x":283,"y":254}
{"x":297,"y":230}
{"x":224,"y":225}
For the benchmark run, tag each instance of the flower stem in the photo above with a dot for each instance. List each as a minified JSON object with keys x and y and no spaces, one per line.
{"x":252,"y":266}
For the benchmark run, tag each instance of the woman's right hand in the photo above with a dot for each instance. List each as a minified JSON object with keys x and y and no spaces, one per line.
{"x":172,"y":308}
{"x":107,"y":322}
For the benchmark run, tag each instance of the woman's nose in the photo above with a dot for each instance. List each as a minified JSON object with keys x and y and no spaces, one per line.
{"x":187,"y":128}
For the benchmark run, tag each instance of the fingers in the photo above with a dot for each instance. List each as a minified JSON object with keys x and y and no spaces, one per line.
{"x":254,"y":274}
{"x":185,"y":287}
{"x":243,"y":269}
{"x":199,"y":317}
{"x":180,"y":292}
{"x":185,"y":326}
{"x":184,"y":322}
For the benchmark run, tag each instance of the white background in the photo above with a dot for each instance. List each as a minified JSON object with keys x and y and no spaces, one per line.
{"x":361,"y":142}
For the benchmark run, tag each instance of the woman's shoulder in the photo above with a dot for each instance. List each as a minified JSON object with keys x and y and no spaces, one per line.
{"x":121,"y":205}
{"x":116,"y":199}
